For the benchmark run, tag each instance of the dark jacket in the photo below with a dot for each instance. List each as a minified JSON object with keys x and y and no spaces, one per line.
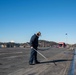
{"x":34,"y":41}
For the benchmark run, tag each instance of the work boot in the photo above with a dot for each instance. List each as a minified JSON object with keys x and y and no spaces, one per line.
{"x":31,"y":64}
{"x":37,"y":62}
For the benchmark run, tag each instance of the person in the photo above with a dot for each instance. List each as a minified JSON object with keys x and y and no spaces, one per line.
{"x":34,"y":44}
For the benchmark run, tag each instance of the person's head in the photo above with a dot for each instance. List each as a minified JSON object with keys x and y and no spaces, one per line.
{"x":38,"y":34}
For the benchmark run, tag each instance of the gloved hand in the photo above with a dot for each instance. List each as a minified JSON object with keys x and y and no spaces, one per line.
{"x":31,"y":47}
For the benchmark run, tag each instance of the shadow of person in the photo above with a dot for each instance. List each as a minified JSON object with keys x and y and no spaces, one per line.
{"x":54,"y":61}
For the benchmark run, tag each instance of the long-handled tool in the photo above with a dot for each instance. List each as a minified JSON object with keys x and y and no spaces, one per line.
{"x":41,"y":54}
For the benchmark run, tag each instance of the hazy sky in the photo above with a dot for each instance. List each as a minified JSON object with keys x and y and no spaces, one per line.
{"x":20,"y":19}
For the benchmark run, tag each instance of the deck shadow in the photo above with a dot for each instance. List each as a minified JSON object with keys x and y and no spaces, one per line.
{"x":0,"y":63}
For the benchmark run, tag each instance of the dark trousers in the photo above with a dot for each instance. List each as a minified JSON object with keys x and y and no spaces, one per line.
{"x":33,"y":56}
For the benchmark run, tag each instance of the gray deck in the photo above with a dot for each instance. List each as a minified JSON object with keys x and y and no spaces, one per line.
{"x":14,"y":61}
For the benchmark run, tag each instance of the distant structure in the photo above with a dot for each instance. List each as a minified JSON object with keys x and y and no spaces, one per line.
{"x":62,"y":45}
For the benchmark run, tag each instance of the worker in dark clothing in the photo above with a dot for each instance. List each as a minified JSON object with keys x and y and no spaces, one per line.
{"x":34,"y":44}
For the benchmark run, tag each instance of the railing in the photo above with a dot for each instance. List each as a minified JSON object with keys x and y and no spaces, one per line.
{"x":73,"y":68}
